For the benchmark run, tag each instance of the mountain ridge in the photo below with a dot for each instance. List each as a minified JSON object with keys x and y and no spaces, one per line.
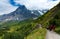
{"x":21,"y":13}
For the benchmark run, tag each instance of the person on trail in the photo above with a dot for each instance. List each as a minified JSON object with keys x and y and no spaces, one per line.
{"x":52,"y":26}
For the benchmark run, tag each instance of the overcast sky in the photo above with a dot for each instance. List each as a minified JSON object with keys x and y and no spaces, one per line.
{"x":7,"y":6}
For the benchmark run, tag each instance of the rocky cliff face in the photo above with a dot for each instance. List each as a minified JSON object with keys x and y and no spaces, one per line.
{"x":21,"y":13}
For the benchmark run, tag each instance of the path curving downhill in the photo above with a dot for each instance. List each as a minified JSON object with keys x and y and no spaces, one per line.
{"x":52,"y":35}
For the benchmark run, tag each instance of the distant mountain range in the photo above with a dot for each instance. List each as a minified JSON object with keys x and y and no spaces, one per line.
{"x":22,"y":13}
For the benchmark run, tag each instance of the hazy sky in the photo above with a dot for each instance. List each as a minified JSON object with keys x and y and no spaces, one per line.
{"x":7,"y":6}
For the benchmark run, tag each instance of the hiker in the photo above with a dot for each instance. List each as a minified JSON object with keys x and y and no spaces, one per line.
{"x":52,"y":27}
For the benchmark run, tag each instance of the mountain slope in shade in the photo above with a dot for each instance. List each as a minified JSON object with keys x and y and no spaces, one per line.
{"x":51,"y":17}
{"x":21,"y":13}
{"x":50,"y":14}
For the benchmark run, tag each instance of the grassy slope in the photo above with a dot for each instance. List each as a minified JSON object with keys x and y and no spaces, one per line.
{"x":20,"y":30}
{"x":57,"y":21}
{"x":39,"y":33}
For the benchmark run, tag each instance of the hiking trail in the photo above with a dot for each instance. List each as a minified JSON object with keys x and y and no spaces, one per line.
{"x":52,"y":35}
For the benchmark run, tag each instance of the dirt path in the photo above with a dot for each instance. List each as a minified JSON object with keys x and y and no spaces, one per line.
{"x":52,"y":35}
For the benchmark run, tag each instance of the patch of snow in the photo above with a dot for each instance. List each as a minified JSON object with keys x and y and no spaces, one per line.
{"x":32,"y":12}
{"x":40,"y":12}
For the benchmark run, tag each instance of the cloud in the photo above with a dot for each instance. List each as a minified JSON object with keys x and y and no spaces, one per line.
{"x":12,"y":2}
{"x":53,"y":0}
{"x":38,"y":4}
{"x":6,"y":7}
